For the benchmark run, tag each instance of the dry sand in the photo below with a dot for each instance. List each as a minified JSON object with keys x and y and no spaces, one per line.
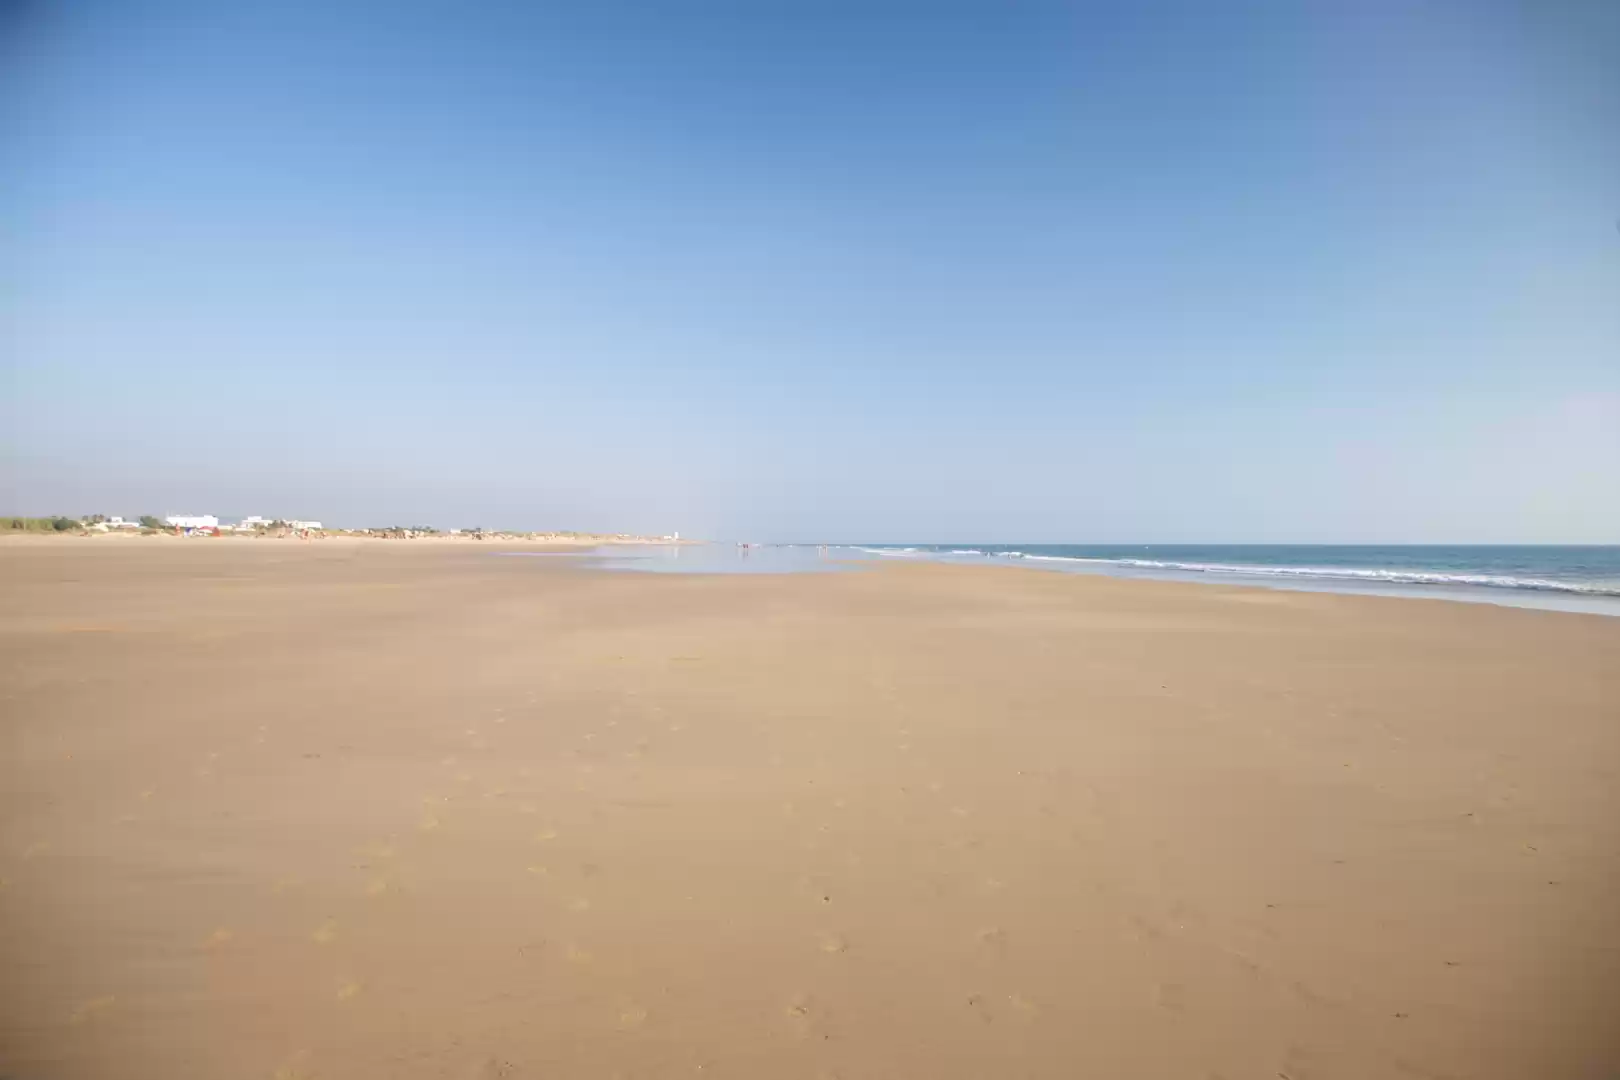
{"x":341,"y":812}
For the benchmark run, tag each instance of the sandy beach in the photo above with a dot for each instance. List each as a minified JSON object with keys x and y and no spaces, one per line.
{"x":343,"y":811}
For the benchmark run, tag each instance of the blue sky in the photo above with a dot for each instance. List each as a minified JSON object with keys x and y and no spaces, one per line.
{"x":815,"y":270}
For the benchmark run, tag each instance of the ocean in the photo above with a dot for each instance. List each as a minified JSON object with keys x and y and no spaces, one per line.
{"x":1561,"y":578}
{"x":1577,"y":578}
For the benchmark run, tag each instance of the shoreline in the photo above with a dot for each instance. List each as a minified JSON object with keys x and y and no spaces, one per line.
{"x":1571,"y":603}
{"x":721,"y":559}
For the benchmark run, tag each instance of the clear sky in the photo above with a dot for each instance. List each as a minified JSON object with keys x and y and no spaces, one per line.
{"x":817,"y":269}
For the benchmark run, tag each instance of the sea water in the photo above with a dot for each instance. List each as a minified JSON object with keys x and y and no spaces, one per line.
{"x":1565,"y":578}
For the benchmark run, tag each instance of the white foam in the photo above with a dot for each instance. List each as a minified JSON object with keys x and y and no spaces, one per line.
{"x":1326,"y":573}
{"x":1392,"y":577}
{"x":1067,"y":558}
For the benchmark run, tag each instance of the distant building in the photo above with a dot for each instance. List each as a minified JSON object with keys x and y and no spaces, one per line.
{"x":303,"y":526}
{"x":253,"y":523}
{"x":120,"y":523}
{"x":192,"y":521}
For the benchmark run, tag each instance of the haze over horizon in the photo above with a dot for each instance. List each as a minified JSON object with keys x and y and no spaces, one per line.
{"x":837,"y":272}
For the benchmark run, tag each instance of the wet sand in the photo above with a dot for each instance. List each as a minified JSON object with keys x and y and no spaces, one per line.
{"x":341,"y":812}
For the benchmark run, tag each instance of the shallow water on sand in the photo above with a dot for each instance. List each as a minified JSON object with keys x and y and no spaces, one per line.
{"x":1576,"y":579}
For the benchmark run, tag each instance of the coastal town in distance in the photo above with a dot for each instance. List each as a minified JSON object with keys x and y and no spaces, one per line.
{"x":204,"y":525}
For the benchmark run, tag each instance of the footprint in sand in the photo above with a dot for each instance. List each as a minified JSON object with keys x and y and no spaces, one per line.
{"x":579,"y":903}
{"x":832,"y":944}
{"x":577,"y":955}
{"x":994,"y":938}
{"x":350,"y":990}
{"x":326,"y":933}
{"x":1172,"y":997}
{"x":1311,"y":997}
{"x":802,"y":1015}
{"x":429,"y":823}
{"x":631,"y":1016}
{"x":545,"y":835}
{"x":221,"y":936}
{"x":294,"y":1068}
{"x":93,"y":1008}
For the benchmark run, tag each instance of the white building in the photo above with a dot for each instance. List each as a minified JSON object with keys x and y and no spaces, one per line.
{"x":120,"y":523}
{"x":250,"y":523}
{"x":304,"y":525}
{"x":192,"y":521}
